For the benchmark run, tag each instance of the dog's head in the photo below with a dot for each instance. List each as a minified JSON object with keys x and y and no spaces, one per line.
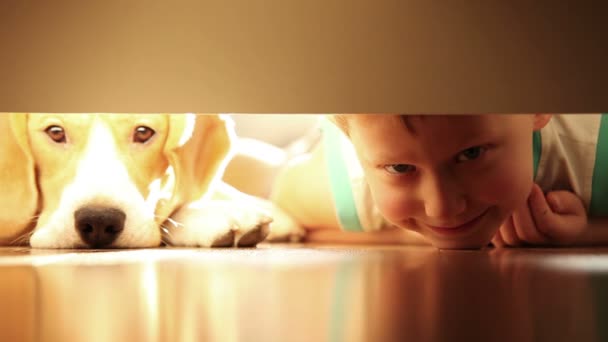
{"x":105,"y":180}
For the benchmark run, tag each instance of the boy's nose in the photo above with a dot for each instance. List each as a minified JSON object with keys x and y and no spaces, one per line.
{"x":443,"y":199}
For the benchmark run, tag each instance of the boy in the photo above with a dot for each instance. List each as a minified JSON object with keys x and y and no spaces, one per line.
{"x":457,"y":181}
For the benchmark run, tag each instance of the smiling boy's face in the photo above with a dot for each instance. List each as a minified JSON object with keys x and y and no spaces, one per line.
{"x":454,"y":179}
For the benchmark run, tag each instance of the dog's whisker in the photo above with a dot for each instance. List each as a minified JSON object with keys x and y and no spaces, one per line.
{"x":35,"y":218}
{"x":165,"y":232}
{"x":21,"y":238}
{"x":166,"y":236}
{"x":17,"y":241}
{"x":172,"y":222}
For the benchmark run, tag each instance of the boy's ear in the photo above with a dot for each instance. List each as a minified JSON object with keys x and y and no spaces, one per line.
{"x":541,"y":120}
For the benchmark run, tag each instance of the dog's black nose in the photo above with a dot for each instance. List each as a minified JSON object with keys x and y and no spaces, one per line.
{"x":99,"y":226}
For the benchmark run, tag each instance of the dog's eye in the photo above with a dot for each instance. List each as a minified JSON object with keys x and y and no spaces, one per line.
{"x":56,"y":133}
{"x":142,"y":134}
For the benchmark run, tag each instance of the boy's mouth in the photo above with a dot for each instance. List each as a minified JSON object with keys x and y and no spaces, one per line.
{"x":458,"y":229}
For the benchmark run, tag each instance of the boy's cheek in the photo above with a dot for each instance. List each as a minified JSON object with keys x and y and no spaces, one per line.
{"x":393,"y":203}
{"x":507,"y":193}
{"x":509,"y":181}
{"x":503,"y":190}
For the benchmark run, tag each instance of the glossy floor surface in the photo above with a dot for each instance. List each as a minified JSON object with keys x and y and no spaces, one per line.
{"x":304,"y":293}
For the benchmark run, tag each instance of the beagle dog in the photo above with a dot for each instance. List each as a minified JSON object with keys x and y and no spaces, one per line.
{"x":121,"y":181}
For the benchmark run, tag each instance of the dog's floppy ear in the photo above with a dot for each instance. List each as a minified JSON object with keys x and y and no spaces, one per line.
{"x":19,"y":196}
{"x":198,"y":148}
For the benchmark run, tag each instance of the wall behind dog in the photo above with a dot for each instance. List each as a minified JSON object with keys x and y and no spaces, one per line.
{"x":315,"y":56}
{"x":276,"y":129}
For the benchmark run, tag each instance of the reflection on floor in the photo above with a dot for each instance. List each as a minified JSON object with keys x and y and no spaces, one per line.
{"x":304,"y":293}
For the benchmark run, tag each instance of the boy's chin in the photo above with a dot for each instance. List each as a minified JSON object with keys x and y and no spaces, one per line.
{"x":460,"y":245}
{"x":476,"y":241}
{"x":477,"y":236}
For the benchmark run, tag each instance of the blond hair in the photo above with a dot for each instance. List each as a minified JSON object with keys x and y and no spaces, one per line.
{"x":341,"y":120}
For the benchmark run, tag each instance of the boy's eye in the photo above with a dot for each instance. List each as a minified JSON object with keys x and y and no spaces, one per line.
{"x":399,"y":168}
{"x":471,"y":153}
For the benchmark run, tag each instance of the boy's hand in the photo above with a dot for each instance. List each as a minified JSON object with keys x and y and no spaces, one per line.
{"x":555,"y":219}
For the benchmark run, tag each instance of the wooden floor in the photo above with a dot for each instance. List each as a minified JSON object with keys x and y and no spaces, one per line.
{"x":304,"y":293}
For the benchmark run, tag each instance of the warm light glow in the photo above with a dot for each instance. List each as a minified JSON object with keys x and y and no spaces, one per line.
{"x":188,"y":129}
{"x":260,"y":256}
{"x":577,"y":263}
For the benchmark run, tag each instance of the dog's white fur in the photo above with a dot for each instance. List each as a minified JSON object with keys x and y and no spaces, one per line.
{"x":101,"y":179}
{"x":103,"y":168}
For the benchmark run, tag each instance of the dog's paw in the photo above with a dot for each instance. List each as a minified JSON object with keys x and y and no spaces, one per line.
{"x":217,"y":223}
{"x":284,"y":228}
{"x":251,"y":237}
{"x":251,"y":224}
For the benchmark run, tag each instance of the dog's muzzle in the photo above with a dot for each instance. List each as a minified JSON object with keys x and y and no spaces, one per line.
{"x":98,"y":227}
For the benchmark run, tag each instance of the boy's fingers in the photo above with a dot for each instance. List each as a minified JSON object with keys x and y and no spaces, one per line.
{"x":561,"y":217}
{"x":565,"y":203}
{"x":525,"y":226}
{"x":508,"y":233}
{"x":546,"y":221}
{"x":497,"y":240}
{"x":541,"y":212}
{"x":566,"y":231}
